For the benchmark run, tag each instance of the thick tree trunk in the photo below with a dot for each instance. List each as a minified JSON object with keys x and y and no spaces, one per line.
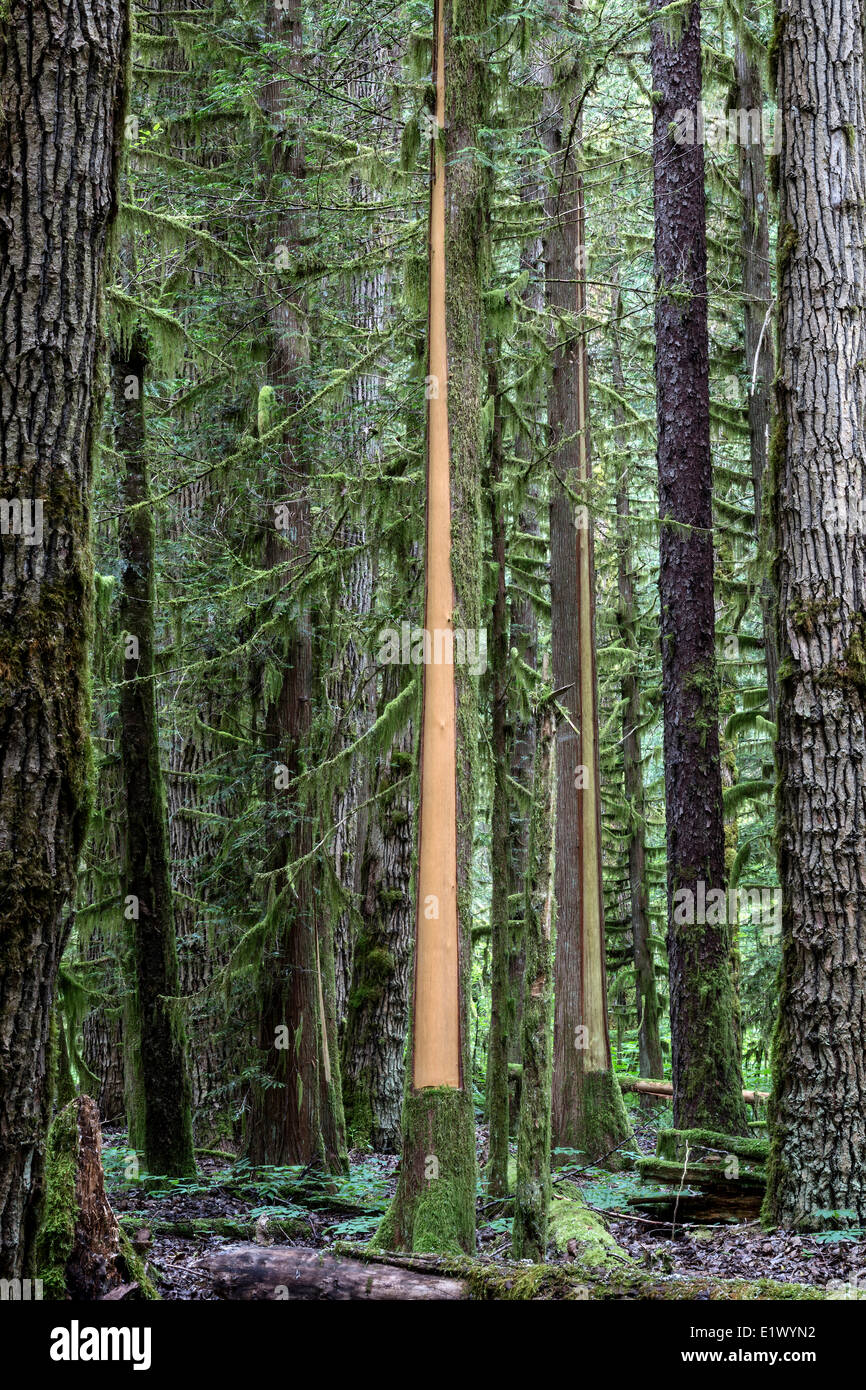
{"x":297,"y":1117}
{"x":705,"y":1065}
{"x":62,"y":97}
{"x":434,"y":1207}
{"x":157,"y":1085}
{"x":818,"y":1108}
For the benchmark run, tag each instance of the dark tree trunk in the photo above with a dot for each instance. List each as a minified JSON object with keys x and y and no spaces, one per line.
{"x":62,"y":97}
{"x":818,"y":1106}
{"x":157,"y":1086}
{"x":705,"y":1065}
{"x":378,"y":1003}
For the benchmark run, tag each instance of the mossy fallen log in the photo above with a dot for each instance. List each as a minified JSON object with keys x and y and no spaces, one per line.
{"x":719,"y":1181}
{"x":706,"y":1146}
{"x":238,"y":1228}
{"x":286,"y":1273}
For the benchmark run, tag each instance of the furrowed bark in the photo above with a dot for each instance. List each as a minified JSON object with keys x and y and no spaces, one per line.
{"x":704,"y":1057}
{"x":62,"y":93}
{"x":818,"y":1105}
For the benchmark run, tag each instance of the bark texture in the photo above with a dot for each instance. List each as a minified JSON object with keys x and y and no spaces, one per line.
{"x":818,"y":1107}
{"x":62,"y":97}
{"x":704,"y":1057}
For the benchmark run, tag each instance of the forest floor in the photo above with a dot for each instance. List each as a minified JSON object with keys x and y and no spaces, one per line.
{"x":229,"y":1201}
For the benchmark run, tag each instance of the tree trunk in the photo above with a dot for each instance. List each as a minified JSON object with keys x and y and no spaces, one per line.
{"x":757,"y":299}
{"x":378,"y":1003}
{"x":818,"y":1106}
{"x":647,"y":1000}
{"x":297,"y":1117}
{"x":62,"y":97}
{"x":588,"y":1112}
{"x":532,"y":1191}
{"x":498,"y":1037}
{"x":157,"y":1085}
{"x":705,"y":1066}
{"x":434,"y":1207}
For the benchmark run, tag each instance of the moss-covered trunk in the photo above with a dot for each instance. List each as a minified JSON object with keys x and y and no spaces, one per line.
{"x":62,"y":72}
{"x":157,"y":1085}
{"x":501,"y":947}
{"x":378,"y":1002}
{"x":532,"y":1191}
{"x":434,"y":1207}
{"x":296,"y":1112}
{"x":706,"y":1073}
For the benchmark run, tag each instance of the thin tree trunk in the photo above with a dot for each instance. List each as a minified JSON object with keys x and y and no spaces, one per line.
{"x":650,"y":1061}
{"x":157,"y":1085}
{"x":62,"y":97}
{"x":818,"y":1106}
{"x":500,"y":930}
{"x":706,"y":1076}
{"x":757,"y":299}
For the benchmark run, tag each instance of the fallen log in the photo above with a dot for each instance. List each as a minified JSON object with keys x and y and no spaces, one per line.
{"x":646,"y":1087}
{"x":283,"y":1273}
{"x":293,"y":1272}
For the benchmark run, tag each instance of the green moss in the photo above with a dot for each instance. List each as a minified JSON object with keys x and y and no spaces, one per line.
{"x":572,"y":1220}
{"x":671,"y":1144}
{"x":433,"y":1210}
{"x":56,"y":1237}
{"x":136,"y":1270}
